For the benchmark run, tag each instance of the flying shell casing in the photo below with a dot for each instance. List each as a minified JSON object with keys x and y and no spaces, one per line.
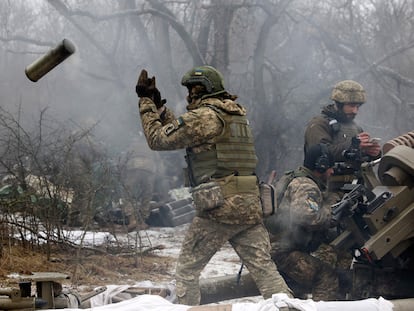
{"x":50,"y":60}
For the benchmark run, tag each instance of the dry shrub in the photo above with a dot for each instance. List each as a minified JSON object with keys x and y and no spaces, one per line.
{"x":92,"y":270}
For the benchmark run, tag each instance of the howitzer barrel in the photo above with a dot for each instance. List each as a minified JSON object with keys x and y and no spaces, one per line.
{"x":226,"y":287}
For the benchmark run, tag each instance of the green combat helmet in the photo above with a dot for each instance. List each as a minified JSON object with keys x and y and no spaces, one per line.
{"x":207,"y":76}
{"x":348,"y":91}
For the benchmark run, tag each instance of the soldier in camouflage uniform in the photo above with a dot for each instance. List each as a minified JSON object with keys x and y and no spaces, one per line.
{"x":221,"y":163}
{"x":335,"y":127}
{"x":304,"y":218}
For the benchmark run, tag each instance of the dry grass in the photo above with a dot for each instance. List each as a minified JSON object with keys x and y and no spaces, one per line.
{"x":90,"y":269}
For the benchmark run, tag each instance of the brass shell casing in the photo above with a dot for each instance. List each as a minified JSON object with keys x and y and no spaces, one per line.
{"x":50,"y":60}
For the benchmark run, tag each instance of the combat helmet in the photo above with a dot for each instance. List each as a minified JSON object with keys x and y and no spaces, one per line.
{"x":348,"y":91}
{"x":207,"y":76}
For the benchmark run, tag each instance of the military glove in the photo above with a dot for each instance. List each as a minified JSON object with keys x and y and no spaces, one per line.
{"x":146,"y":87}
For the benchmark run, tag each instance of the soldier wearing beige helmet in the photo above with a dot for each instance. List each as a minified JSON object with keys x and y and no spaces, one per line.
{"x":335,"y":126}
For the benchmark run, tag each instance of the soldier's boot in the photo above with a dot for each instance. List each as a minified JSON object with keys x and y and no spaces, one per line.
{"x":326,"y":285}
{"x":188,"y":293}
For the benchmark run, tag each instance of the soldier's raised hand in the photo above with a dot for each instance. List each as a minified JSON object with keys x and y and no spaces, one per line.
{"x":146,"y":87}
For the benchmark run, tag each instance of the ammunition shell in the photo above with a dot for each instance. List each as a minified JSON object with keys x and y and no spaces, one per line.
{"x":50,"y":60}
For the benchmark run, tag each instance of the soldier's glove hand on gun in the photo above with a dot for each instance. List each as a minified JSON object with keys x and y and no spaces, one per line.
{"x":146,"y":88}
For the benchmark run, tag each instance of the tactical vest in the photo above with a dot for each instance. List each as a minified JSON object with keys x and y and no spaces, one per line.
{"x":233,"y":152}
{"x":285,"y":180}
{"x":279,"y":221}
{"x":342,"y":132}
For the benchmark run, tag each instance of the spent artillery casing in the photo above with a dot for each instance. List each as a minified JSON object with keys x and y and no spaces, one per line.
{"x":50,"y":60}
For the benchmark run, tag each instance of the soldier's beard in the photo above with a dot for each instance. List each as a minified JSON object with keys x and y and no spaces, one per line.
{"x":350,"y":116}
{"x":345,"y":117}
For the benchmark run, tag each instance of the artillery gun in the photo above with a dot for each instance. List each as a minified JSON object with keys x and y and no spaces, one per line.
{"x":49,"y":293}
{"x":377,"y":220}
{"x":379,"y":229}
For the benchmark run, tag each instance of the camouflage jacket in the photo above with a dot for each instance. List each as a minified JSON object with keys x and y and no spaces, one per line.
{"x":305,"y":211}
{"x":198,"y":129}
{"x":338,"y":137}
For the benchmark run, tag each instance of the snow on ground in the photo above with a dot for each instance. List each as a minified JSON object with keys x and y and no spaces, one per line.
{"x":225,"y":262}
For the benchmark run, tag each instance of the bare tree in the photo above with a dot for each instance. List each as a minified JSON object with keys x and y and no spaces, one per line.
{"x":33,"y":162}
{"x":280,"y":57}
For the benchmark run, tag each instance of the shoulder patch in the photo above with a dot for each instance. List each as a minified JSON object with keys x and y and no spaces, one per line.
{"x":312,"y":204}
{"x":312,"y":201}
{"x":173,"y":126}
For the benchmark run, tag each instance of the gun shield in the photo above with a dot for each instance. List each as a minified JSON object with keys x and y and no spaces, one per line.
{"x":50,"y":60}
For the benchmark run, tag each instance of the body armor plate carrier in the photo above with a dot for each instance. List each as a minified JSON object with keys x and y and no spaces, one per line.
{"x":233,"y":152}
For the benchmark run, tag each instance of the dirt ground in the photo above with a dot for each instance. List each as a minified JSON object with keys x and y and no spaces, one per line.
{"x":103,"y":263}
{"x":87,"y":270}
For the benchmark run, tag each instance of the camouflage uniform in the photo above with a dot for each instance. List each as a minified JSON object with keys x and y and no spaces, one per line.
{"x":305,"y":216}
{"x":238,"y":220}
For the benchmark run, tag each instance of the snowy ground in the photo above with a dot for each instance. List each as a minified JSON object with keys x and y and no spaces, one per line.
{"x":225,"y":262}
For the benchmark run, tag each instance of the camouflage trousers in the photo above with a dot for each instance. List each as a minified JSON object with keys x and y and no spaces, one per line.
{"x":205,"y":237}
{"x":309,"y":273}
